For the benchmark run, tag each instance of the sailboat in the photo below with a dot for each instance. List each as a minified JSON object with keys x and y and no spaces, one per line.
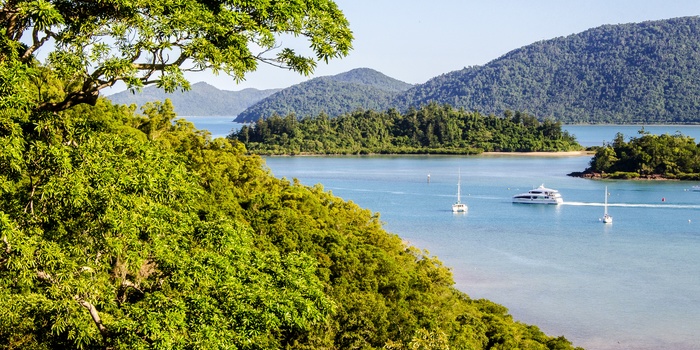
{"x":606,"y":217}
{"x":459,"y":207}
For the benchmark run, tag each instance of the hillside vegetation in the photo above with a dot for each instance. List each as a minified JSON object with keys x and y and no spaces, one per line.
{"x":430,"y":129}
{"x":627,"y":73}
{"x":358,"y":89}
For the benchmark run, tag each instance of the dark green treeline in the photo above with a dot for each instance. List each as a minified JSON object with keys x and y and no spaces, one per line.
{"x":434,"y":129}
{"x":668,"y":156}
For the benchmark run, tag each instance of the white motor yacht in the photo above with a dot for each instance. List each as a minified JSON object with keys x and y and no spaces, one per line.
{"x":539,"y":195}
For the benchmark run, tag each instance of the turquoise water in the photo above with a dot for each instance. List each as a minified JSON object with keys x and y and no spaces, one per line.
{"x":634,"y":284}
{"x":217,"y":126}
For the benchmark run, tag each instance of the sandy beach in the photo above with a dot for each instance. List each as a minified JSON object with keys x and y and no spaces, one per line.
{"x":541,"y":154}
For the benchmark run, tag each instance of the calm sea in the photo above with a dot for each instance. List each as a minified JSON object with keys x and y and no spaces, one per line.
{"x":217,"y":126}
{"x":634,"y":284}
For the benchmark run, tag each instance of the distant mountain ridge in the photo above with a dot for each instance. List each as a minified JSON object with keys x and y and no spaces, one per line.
{"x":628,"y":73}
{"x":201,"y":100}
{"x":360,"y":88}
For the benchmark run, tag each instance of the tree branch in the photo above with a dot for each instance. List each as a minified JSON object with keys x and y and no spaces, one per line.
{"x":36,"y":43}
{"x":74,"y":98}
{"x":10,"y":17}
{"x":160,"y":66}
{"x":128,"y":284}
{"x":94,"y":314}
{"x":44,"y":276}
{"x":7,"y":244}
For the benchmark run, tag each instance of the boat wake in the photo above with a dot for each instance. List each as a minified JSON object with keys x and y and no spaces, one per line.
{"x":635,"y":205}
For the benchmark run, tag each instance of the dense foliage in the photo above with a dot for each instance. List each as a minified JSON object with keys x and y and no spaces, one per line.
{"x":92,"y":45}
{"x":201,"y":100}
{"x":430,"y":129}
{"x":124,"y":231}
{"x":358,"y":89}
{"x":667,"y":156}
{"x":627,"y":73}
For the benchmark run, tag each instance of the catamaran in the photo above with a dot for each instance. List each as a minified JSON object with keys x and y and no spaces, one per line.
{"x":606,"y":217}
{"x":459,"y":207}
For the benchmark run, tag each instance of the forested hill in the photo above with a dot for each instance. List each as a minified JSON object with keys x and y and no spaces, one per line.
{"x":628,"y":73}
{"x":361,"y":88}
{"x":202,"y":100}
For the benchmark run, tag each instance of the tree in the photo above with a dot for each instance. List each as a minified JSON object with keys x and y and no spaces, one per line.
{"x":604,"y":159}
{"x":108,"y":239}
{"x":95,"y":44}
{"x":671,"y":156}
{"x":114,"y":241}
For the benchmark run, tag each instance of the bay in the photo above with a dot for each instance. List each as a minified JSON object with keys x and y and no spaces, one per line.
{"x":634,"y":284}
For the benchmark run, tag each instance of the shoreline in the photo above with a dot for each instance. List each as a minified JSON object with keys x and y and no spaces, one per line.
{"x":541,"y":154}
{"x":512,"y":154}
{"x":603,"y":176}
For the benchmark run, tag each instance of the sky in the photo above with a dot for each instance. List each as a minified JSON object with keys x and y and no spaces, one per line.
{"x":414,"y":41}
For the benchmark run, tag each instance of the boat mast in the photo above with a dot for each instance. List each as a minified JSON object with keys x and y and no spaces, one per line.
{"x":459,"y":182}
{"x":606,"y":200}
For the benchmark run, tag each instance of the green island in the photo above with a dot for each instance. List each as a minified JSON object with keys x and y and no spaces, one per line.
{"x":654,"y":157}
{"x":122,"y":229}
{"x":431,"y":129}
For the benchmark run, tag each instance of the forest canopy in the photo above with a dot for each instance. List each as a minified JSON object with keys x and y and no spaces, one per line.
{"x":93,"y":45}
{"x":431,"y":129}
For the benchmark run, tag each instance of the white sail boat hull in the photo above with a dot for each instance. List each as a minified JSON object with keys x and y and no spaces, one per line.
{"x":459,"y":208}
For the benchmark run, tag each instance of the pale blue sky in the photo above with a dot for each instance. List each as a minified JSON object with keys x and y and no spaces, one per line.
{"x":414,"y":41}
